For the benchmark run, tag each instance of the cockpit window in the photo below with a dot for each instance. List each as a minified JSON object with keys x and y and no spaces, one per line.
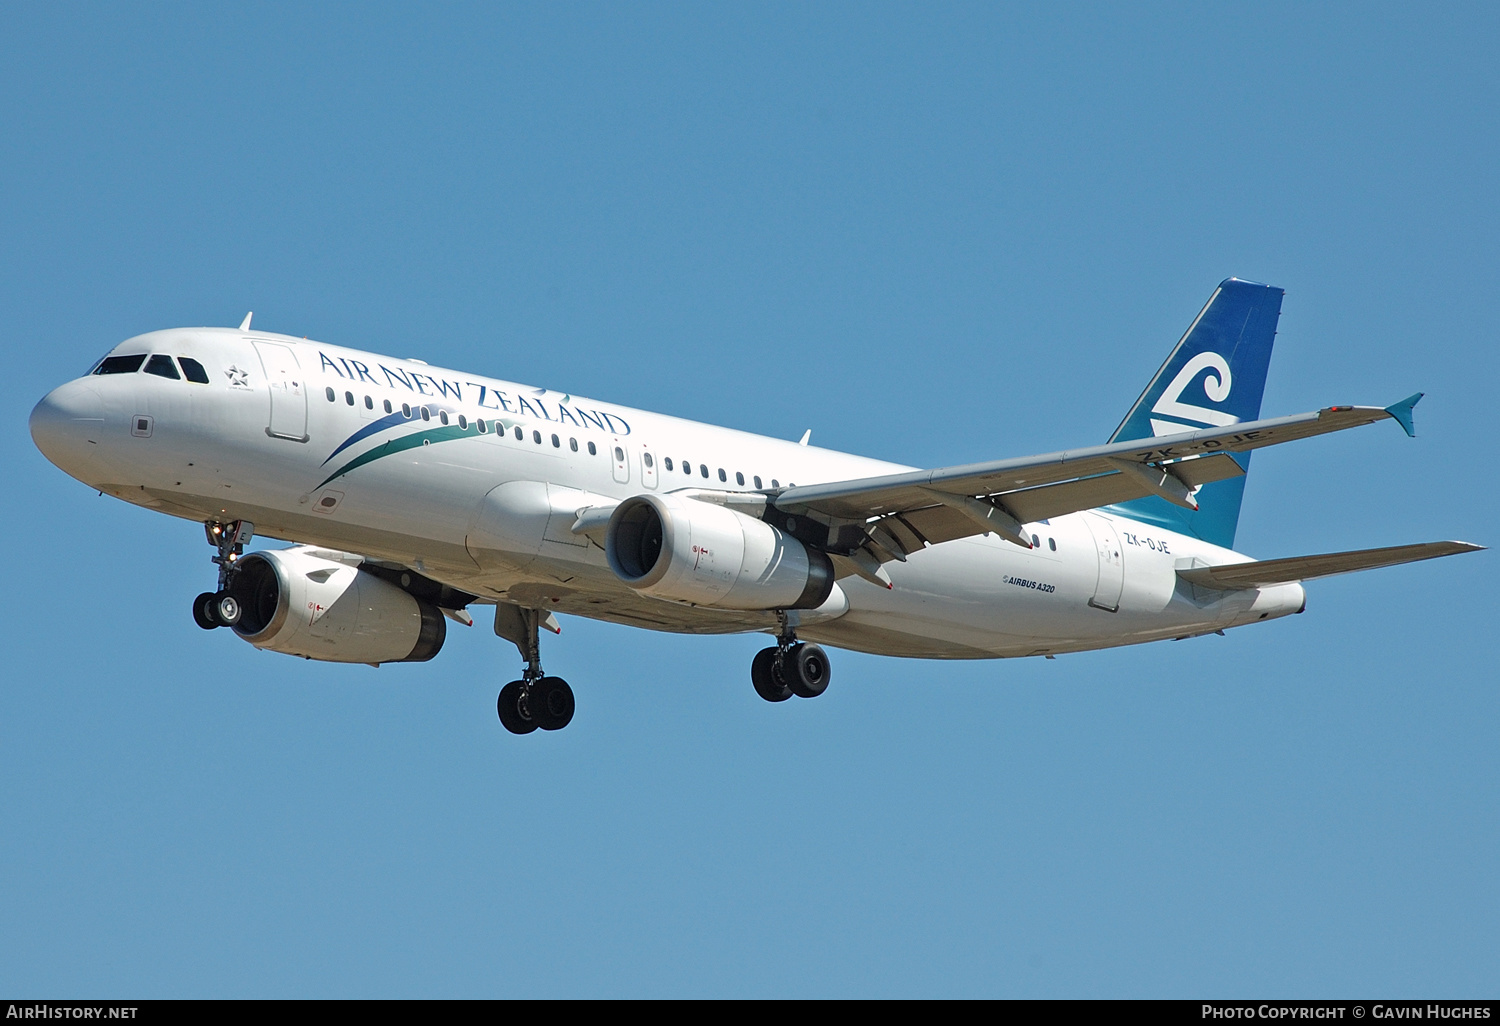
{"x":162,"y":367}
{"x":193,"y":370}
{"x":121,"y":364}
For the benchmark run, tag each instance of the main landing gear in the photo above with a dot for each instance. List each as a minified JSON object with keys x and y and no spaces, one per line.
{"x":220,"y":608}
{"x":535,"y":701}
{"x":791,"y":668}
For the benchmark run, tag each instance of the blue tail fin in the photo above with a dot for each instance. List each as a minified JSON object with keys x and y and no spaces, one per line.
{"x":1215,"y":377}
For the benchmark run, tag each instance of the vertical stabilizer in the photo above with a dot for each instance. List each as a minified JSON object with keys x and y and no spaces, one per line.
{"x":1215,"y":377}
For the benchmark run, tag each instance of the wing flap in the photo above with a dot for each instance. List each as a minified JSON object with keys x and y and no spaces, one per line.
{"x":1033,"y":504}
{"x":932,"y":524}
{"x":1266,"y":572}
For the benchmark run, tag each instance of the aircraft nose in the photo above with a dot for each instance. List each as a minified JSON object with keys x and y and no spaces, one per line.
{"x":67,"y":424}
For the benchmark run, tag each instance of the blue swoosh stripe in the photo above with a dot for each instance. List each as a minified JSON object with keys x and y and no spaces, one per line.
{"x":369,"y":429}
{"x":395,"y":445}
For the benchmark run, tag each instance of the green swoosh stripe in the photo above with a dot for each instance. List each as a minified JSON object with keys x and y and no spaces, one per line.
{"x":395,"y":445}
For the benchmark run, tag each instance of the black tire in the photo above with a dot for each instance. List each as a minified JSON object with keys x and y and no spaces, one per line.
{"x":806,"y":670}
{"x":508,"y":705}
{"x":763,"y":676}
{"x":551,"y":703}
{"x":227,"y":609}
{"x":203,"y":611}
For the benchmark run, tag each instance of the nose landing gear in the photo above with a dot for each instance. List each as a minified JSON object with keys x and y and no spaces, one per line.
{"x":535,"y":701}
{"x":221,"y":608}
{"x":791,"y":668}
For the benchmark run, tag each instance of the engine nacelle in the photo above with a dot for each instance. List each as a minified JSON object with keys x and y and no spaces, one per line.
{"x":680,"y":549}
{"x":294,"y":602}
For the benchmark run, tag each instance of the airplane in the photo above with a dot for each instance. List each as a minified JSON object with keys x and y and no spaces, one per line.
{"x":412,"y":493}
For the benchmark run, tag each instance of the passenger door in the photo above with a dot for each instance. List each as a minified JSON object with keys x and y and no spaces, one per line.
{"x":1111,"y":563}
{"x":288,"y":392}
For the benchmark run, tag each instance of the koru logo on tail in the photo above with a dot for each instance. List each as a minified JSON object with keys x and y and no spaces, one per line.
{"x":1216,"y":387}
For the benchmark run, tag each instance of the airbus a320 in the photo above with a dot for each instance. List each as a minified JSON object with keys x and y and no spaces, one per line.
{"x":415,"y":494}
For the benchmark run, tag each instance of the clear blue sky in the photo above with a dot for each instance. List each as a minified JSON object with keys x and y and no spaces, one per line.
{"x":930,"y":236}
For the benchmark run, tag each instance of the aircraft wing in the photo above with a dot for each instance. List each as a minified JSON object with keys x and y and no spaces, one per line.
{"x":1266,"y":572}
{"x":902,"y":512}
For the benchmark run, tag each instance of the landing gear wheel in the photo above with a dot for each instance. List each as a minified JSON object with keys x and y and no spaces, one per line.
{"x":551,"y":703}
{"x":806,"y":670}
{"x":203,"y":611}
{"x":226,"y":609}
{"x":512,"y":716}
{"x":763,"y":675}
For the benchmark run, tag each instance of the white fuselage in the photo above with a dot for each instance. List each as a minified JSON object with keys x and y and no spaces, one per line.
{"x":490,"y":512}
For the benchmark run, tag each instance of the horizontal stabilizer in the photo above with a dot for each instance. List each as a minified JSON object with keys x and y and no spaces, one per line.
{"x":1266,"y":572}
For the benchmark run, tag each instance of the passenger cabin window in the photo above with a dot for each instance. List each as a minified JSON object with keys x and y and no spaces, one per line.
{"x":739,"y":478}
{"x":519,"y":436}
{"x":703,"y":469}
{"x":443,"y":416}
{"x":329,"y":393}
{"x":121,"y":364}
{"x":573,"y":444}
{"x":406,"y":410}
{"x":480,"y":424}
{"x":536,"y":436}
{"x":162,"y":367}
{"x":426,"y":414}
{"x":593,"y":451}
{"x":1052,"y":544}
{"x":775,"y":483}
{"x":349,"y":398}
{"x":463,"y":422}
{"x":667,"y":463}
{"x":646,"y":459}
{"x":387,"y":406}
{"x":687,"y":468}
{"x":723,"y":476}
{"x":193,"y":370}
{"x":369,"y":403}
{"x":757,"y":480}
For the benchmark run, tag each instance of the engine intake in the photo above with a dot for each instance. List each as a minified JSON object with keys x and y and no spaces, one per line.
{"x":300,"y":604}
{"x":684,"y":550}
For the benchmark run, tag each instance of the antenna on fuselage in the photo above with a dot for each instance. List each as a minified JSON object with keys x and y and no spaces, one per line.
{"x":806,"y":437}
{"x":245,"y":324}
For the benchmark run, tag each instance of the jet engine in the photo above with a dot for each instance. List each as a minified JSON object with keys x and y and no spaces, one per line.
{"x":684,"y":550}
{"x":304,"y":605}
